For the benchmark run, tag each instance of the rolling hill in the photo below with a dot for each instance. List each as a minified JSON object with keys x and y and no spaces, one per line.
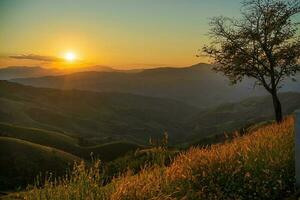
{"x":259,"y":165}
{"x":50,"y":125}
{"x":13,"y":72}
{"x":196,"y":85}
{"x":232,"y":116}
{"x":96,"y":117}
{"x":106,"y":152}
{"x":26,"y":72}
{"x":40,"y":136}
{"x":21,"y":161}
{"x":27,"y":152}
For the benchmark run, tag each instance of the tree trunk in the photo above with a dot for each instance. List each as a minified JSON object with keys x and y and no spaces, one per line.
{"x":277,"y":107}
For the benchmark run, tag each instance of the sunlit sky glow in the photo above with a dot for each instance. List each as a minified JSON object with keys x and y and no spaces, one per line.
{"x":120,"y":33}
{"x":70,"y":56}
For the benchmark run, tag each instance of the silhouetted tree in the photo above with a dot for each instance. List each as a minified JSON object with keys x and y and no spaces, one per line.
{"x":262,"y":44}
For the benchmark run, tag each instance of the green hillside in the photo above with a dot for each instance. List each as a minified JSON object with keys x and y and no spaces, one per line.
{"x":34,"y":151}
{"x":26,"y":152}
{"x":99,"y":117}
{"x":40,"y":136}
{"x":235,"y":116}
{"x":105,"y":152}
{"x":22,"y":161}
{"x":109,"y":125}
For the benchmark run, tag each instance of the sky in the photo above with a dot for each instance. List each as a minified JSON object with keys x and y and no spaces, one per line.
{"x":119,"y":33}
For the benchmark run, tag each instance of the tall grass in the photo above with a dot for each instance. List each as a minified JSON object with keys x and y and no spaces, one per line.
{"x":84,"y":182}
{"x":259,"y":165}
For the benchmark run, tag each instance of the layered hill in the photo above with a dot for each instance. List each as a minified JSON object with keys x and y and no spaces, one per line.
{"x":232,"y":116}
{"x":26,"y":72}
{"x":13,"y":72}
{"x":97,"y":117}
{"x":197,"y":85}
{"x":76,"y":123}
{"x":73,"y":145}
{"x":259,"y":165}
{"x":27,"y":152}
{"x":21,"y":161}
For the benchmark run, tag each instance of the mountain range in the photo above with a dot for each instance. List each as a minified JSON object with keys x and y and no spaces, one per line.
{"x":13,"y":72}
{"x":197,"y":85}
{"x":43,"y":129}
{"x":92,"y":115}
{"x":98,"y":118}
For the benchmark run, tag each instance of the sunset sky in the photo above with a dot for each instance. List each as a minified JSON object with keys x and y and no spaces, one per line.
{"x":119,"y":33}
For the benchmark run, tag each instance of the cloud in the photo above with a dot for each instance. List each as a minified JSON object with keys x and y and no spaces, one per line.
{"x":37,"y":57}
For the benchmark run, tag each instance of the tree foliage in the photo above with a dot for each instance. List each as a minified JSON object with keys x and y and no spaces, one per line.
{"x":263,"y":44}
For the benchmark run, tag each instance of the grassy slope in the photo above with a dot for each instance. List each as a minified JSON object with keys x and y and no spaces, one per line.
{"x":104,"y":117}
{"x":31,"y":158}
{"x":233,"y":116}
{"x":22,"y":161}
{"x":256,"y":166}
{"x":111,"y":151}
{"x":40,"y":136}
{"x":99,"y":116}
{"x":105,"y":152}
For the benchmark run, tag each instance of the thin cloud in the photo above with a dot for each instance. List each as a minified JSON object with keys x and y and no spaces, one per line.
{"x":37,"y":57}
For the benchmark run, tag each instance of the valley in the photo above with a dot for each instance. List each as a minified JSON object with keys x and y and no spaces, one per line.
{"x":69,"y":125}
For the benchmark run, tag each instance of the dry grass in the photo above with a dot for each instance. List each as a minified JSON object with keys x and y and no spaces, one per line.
{"x":256,"y":166}
{"x":82,"y":183}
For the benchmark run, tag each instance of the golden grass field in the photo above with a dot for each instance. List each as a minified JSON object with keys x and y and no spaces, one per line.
{"x":259,"y":165}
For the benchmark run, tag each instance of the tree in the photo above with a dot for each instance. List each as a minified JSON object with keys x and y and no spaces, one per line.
{"x":263,"y":44}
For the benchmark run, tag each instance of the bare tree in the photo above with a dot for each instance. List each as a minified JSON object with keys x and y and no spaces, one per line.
{"x":263,"y":44}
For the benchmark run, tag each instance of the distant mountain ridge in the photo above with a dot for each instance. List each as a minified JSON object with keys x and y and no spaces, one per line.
{"x":43,"y":129}
{"x":26,"y":72}
{"x":105,"y":117}
{"x":197,"y":85}
{"x":96,"y":116}
{"x":13,"y":72}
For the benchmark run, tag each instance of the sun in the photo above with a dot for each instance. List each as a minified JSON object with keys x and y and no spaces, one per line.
{"x":70,"y":56}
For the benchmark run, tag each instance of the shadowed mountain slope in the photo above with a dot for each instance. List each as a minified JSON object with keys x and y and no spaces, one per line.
{"x":98,"y":117}
{"x":197,"y":85}
{"x":21,"y":161}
